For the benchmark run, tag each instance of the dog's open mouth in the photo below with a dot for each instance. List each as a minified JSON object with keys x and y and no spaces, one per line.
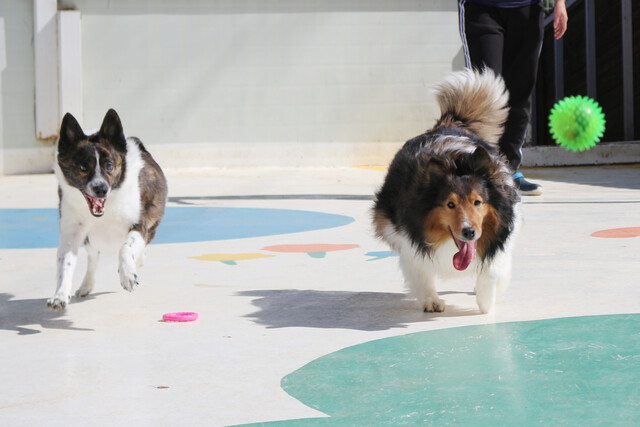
{"x":466,"y":253}
{"x":96,"y":205}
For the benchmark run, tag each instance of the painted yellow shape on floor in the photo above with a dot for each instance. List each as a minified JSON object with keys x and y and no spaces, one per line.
{"x":379,"y":168}
{"x":229,"y":257}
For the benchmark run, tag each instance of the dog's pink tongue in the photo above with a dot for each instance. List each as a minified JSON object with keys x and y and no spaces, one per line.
{"x":465,"y":255}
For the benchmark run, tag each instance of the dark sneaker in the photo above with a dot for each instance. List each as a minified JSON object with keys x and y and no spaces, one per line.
{"x":525,"y":187}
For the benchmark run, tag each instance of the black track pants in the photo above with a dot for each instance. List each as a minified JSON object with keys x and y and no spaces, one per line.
{"x":507,"y":40}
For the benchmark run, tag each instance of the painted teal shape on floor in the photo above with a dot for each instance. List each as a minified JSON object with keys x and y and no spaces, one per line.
{"x":38,"y":228}
{"x":569,"y":371}
{"x":380,"y":255}
{"x":317,"y":254}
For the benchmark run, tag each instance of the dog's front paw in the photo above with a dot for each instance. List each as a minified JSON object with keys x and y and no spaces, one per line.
{"x":128,"y":278}
{"x":433,"y":305}
{"x":85,"y":289}
{"x":58,"y":304}
{"x":485,"y":296}
{"x":82,"y":292}
{"x":485,"y":304}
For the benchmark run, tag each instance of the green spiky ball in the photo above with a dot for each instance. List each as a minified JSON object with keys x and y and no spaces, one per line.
{"x":577,"y":123}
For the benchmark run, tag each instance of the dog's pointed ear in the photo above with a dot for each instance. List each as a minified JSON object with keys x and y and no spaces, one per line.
{"x":481,"y":161}
{"x":70,"y":133}
{"x":111,"y":129}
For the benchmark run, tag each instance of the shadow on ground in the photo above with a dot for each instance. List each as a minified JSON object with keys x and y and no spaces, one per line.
{"x":364,"y":311}
{"x":28,"y":316}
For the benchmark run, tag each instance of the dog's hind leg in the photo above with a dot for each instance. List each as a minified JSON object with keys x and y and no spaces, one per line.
{"x":89,"y":280}
{"x":421,"y":281}
{"x":130,"y":255}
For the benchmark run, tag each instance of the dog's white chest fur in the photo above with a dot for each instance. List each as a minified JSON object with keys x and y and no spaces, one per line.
{"x":122,"y":208}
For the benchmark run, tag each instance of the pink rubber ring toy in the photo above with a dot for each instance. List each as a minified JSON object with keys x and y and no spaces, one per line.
{"x":186,"y":316}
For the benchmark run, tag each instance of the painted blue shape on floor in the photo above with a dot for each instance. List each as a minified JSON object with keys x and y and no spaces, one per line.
{"x":28,"y":228}
{"x":38,"y":228}
{"x":568,"y":371}
{"x":380,"y":255}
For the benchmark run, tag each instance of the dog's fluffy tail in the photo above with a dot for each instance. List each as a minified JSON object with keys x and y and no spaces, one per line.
{"x":478,"y":99}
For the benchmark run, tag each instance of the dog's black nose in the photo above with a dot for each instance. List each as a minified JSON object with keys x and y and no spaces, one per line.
{"x":100,"y":190}
{"x":469,"y":233}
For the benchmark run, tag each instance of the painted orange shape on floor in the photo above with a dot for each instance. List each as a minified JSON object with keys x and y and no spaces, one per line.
{"x":229,"y":259}
{"x":616,"y":233}
{"x":314,"y":250}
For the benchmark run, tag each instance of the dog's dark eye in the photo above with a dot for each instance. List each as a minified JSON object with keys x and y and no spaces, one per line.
{"x":109,"y":167}
{"x":477,"y":203}
{"x":83,"y":168}
{"x":451,"y":205}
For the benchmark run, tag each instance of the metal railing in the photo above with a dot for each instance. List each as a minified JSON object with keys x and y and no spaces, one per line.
{"x":591,"y":59}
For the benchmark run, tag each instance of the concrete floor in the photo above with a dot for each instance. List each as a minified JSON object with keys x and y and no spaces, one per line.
{"x":266,"y":312}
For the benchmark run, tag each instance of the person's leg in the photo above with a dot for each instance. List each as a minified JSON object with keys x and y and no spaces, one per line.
{"x":523,"y":41}
{"x":482,"y":36}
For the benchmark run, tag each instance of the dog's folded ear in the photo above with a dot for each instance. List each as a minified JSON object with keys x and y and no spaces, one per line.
{"x":111,"y":129}
{"x":70,"y":133}
{"x":481,"y":162}
{"x":436,"y":169}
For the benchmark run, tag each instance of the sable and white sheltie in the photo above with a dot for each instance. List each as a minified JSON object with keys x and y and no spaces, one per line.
{"x":448,"y":205}
{"x":112,"y":195}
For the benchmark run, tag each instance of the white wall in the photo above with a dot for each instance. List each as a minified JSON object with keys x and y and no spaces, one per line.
{"x":233,"y":82}
{"x":20,"y":151}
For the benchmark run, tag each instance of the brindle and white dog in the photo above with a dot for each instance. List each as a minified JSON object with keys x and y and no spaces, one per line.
{"x":112,"y":193}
